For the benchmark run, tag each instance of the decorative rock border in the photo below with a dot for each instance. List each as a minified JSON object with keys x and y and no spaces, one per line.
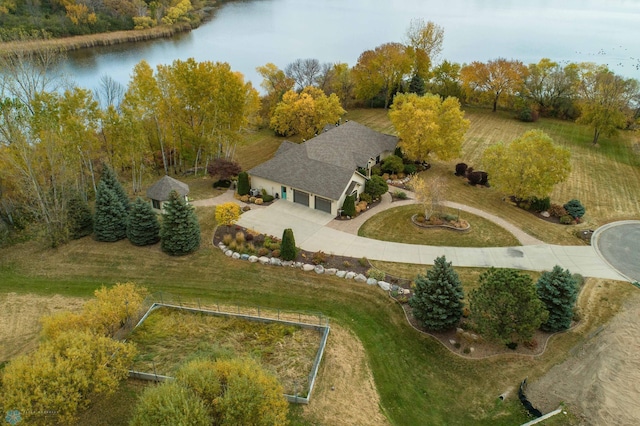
{"x":453,"y":228}
{"x":307,"y":267}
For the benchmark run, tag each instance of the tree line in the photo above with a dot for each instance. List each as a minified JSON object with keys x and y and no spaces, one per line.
{"x":55,"y":137}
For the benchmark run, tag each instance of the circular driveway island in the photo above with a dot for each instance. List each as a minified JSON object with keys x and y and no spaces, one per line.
{"x":619,"y":245}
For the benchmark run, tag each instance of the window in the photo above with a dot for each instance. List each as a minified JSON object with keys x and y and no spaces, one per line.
{"x":155,"y":204}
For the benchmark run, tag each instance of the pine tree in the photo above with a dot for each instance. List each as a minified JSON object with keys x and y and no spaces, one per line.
{"x":437,"y":300}
{"x":288,"y":246}
{"x":143,"y":228}
{"x":180,"y":230}
{"x":109,"y":177}
{"x":79,"y":217}
{"x":110,"y":220}
{"x":558,"y":290}
{"x":243,"y":183}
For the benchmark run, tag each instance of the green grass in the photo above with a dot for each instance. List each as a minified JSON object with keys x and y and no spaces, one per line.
{"x":395,"y":225}
{"x":419,"y":381}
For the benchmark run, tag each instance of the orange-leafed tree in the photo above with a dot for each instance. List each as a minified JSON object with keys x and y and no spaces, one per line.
{"x":493,"y":81}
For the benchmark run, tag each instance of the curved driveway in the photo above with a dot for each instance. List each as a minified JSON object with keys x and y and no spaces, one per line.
{"x":312,"y":233}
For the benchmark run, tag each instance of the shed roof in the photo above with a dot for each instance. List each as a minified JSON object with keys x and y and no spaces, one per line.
{"x":162,"y":188}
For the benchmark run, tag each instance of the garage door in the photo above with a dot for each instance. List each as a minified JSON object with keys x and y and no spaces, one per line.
{"x":301,"y":197}
{"x":323,"y":204}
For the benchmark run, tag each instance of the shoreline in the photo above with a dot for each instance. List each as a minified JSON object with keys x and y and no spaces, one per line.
{"x":68,"y":44}
{"x":88,"y":41}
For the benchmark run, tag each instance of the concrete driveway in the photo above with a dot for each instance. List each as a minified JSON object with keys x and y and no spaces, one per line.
{"x":312,"y":234}
{"x":619,"y":245}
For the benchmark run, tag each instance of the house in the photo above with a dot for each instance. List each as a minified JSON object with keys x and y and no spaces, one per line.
{"x":159,"y":191}
{"x":322,"y":171}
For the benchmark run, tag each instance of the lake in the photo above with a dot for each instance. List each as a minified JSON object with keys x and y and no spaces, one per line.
{"x":247,"y":34}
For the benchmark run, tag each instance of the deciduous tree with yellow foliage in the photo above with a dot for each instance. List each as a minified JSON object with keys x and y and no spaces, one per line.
{"x":305,"y":113}
{"x":428,"y":125}
{"x":527,"y":167}
{"x":494,"y":81}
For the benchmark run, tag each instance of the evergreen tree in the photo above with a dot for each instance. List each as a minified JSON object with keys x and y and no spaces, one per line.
{"x":180,"y":230}
{"x":376,"y":186}
{"x":143,"y":227}
{"x":79,"y":217}
{"x":437,"y":300}
{"x":110,"y":220}
{"x":243,"y":183}
{"x":558,"y":290}
{"x":349,"y":206}
{"x":417,"y":86}
{"x":109,"y":177}
{"x":574,"y":208}
{"x":288,"y":246}
{"x":506,"y":306}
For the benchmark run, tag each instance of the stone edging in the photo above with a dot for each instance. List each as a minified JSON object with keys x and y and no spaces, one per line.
{"x":307,"y":267}
{"x":453,"y":228}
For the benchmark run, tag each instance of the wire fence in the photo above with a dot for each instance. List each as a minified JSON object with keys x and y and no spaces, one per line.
{"x":310,"y":320}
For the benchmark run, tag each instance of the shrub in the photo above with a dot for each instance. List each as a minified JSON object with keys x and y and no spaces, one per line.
{"x":346,"y":264}
{"x":574,"y":208}
{"x":244,"y":198}
{"x":401,"y":195}
{"x":450,"y":218}
{"x":249,"y":237}
{"x":222,"y":183}
{"x":376,"y":170}
{"x":392,"y":164}
{"x":366,"y":198}
{"x":410,"y":169}
{"x":267,"y":198}
{"x":79,"y":218}
{"x":319,"y":258}
{"x":556,"y":210}
{"x":461,"y":169}
{"x":263,"y":251}
{"x":375,"y":187}
{"x":363,"y":261}
{"x":349,"y":206}
{"x":223,"y":169}
{"x":376,"y":274}
{"x":250,"y":248}
{"x":540,"y":204}
{"x":240,"y":237}
{"x":275,"y":253}
{"x":243,"y":183}
{"x":567,"y":219}
{"x":528,"y":115}
{"x":227,"y":239}
{"x":170,"y":403}
{"x":288,"y":249}
{"x":258,"y":201}
{"x":420,"y":218}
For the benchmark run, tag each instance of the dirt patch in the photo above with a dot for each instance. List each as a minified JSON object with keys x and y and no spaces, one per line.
{"x":19,"y":320}
{"x":345,"y":392}
{"x":600,"y":380}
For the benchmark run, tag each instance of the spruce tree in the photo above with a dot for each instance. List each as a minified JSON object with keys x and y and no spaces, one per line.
{"x":288,"y":249}
{"x":110,"y":220}
{"x":437,"y":300}
{"x":417,"y":86}
{"x":109,"y":177}
{"x":180,"y":230}
{"x":558,"y":290}
{"x":79,"y":218}
{"x":143,"y":228}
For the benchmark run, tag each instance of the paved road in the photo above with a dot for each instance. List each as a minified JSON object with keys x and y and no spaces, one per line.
{"x":619,"y":244}
{"x":315,"y":230}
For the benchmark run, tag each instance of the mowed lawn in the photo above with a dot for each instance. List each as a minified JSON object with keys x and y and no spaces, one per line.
{"x":605,"y":178}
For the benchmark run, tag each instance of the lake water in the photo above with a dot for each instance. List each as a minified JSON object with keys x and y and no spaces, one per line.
{"x":247,"y":34}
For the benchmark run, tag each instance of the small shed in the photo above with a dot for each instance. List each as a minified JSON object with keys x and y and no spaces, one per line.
{"x":159,"y":191}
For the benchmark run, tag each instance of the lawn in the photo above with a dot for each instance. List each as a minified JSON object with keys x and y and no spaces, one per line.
{"x":419,"y":381}
{"x":395,"y":225}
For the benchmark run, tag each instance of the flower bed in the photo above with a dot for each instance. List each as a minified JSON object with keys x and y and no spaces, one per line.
{"x":455,"y":225}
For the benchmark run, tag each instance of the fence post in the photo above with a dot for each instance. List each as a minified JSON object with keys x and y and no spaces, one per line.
{"x":278,"y":314}
{"x":199,"y":307}
{"x":258,"y":311}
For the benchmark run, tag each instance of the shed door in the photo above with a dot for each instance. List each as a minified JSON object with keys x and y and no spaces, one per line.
{"x":323,"y":204}
{"x":301,"y":197}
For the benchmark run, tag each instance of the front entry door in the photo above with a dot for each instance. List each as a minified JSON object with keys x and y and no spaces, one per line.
{"x":283,"y":192}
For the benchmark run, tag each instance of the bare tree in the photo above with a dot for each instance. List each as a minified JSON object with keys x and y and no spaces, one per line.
{"x":109,"y":93}
{"x":304,"y":72}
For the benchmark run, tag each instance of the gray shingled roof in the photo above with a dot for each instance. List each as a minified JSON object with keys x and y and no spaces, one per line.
{"x":325,"y":164}
{"x":161,"y":189}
